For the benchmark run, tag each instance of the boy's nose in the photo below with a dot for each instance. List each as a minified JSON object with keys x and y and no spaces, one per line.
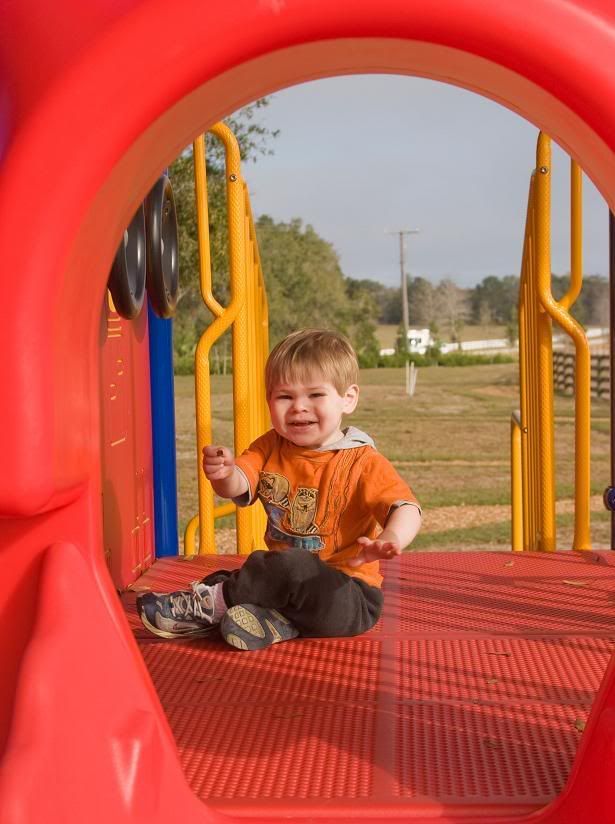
{"x":299,"y":404}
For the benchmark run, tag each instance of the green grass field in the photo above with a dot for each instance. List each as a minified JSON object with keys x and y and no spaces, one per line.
{"x":451,"y":442}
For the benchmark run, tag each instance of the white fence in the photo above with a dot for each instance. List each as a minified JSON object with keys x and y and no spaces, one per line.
{"x":597,"y":337}
{"x":477,"y":346}
{"x":486,"y":346}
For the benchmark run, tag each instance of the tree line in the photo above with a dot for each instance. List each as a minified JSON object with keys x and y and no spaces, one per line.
{"x":445,"y":307}
{"x":305,"y":282}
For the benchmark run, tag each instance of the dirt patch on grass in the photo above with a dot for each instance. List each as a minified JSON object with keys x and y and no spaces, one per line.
{"x":466,"y":517}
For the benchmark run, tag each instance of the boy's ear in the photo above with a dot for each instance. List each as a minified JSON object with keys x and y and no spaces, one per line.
{"x":351,"y":398}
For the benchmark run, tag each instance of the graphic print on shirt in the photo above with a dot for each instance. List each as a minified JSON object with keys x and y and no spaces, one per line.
{"x":285,"y":513}
{"x":273,"y":487}
{"x":303,"y":510}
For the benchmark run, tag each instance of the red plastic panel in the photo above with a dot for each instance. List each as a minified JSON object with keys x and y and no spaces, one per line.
{"x":86,"y":85}
{"x":85,"y":717}
{"x":126,"y":446}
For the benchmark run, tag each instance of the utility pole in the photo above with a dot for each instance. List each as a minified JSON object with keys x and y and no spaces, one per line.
{"x":404,"y":281}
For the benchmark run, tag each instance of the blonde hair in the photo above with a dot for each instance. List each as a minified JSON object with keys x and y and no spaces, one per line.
{"x":306,"y":352}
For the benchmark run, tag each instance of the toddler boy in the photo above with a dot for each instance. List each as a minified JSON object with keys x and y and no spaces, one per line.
{"x":335,"y":508}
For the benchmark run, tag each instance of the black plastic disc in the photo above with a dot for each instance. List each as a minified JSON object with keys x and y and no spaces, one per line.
{"x":127,"y":278}
{"x":162,"y":248}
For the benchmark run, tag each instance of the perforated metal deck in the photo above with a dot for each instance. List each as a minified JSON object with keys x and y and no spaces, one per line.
{"x":469,"y":694}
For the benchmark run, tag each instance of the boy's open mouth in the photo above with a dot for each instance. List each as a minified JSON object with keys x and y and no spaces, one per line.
{"x":301,"y":424}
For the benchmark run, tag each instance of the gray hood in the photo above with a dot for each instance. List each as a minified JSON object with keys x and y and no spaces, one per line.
{"x":353,"y":438}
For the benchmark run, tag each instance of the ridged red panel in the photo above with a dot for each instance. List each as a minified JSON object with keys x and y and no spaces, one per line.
{"x":471,"y":690}
{"x":515,"y":754}
{"x":276,"y":751}
{"x":551,"y":670}
{"x":502,"y":593}
{"x":317,"y":671}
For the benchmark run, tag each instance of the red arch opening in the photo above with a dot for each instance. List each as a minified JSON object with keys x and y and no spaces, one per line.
{"x":94,"y":109}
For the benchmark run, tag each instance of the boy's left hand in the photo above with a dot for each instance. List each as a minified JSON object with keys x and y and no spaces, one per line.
{"x":375,"y":550}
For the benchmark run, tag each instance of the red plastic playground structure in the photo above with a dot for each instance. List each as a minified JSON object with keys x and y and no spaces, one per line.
{"x":466,"y":702}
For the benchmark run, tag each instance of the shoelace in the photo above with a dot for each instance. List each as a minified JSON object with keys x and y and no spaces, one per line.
{"x":189,"y":605}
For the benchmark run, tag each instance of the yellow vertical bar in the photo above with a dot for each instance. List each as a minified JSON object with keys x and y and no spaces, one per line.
{"x":523,"y":377}
{"x":523,"y":391}
{"x":582,"y":451}
{"x":258,"y":519}
{"x":202,"y":392}
{"x":576,"y":236}
{"x":545,"y":353}
{"x":237,"y":266}
{"x":264,"y":342}
{"x":241,"y":405}
{"x":247,"y":540}
{"x":530,"y":385}
{"x":555,"y":310}
{"x":582,"y":394}
{"x":262,"y":326}
{"x":516,"y":484}
{"x":533,"y":429}
{"x":253,"y":364}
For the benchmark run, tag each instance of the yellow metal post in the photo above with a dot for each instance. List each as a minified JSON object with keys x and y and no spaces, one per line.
{"x":530,"y":386}
{"x":558,"y":311}
{"x":516,"y":483}
{"x":542,"y":222}
{"x":201,"y":374}
{"x":248,"y":375}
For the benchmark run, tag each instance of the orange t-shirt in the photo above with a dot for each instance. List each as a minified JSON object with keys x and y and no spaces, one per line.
{"x":322,"y":501}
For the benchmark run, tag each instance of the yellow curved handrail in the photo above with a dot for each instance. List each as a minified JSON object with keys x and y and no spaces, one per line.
{"x":559,"y":313}
{"x":202,"y":222}
{"x":246,"y":315}
{"x":537,"y":309}
{"x":220,"y":323}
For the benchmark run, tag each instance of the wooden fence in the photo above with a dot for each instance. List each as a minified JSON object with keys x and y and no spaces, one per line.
{"x":563,"y":374}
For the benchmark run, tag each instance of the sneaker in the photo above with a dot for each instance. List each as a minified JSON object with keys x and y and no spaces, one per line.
{"x":249,"y":627}
{"x":181,"y":614}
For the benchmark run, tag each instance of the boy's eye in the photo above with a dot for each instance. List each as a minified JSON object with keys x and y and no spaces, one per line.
{"x":317,"y":395}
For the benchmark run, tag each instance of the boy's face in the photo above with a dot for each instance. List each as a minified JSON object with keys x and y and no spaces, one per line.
{"x":310,"y":414}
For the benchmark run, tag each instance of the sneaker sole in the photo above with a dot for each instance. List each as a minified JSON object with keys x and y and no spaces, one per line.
{"x":235,"y":641}
{"x":242,"y":629}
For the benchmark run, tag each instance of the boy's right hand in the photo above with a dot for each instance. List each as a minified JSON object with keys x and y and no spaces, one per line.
{"x":218,"y":463}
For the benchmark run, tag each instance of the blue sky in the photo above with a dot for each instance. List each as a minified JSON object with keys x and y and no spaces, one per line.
{"x":360,"y":156}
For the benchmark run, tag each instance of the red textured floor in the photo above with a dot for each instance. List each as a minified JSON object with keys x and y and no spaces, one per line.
{"x":469,"y":691}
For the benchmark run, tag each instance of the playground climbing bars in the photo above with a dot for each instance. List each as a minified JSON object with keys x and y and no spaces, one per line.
{"x":533,"y":447}
{"x":247,"y":316}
